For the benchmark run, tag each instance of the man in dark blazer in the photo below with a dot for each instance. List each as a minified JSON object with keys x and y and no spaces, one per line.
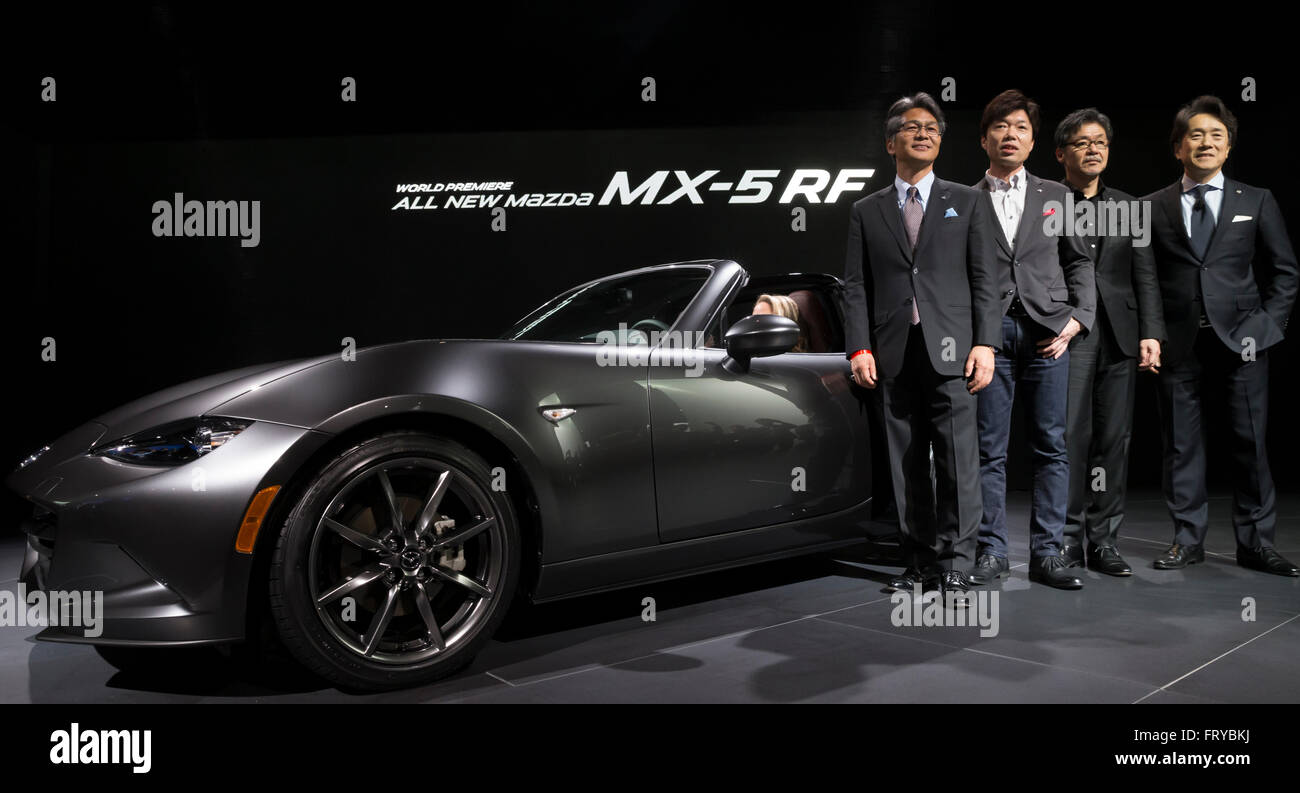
{"x":1104,"y":364}
{"x":922,"y":319}
{"x":1045,"y":281}
{"x":1212,"y":235}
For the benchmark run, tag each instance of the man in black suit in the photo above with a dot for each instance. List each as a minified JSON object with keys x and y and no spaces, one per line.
{"x":1125,"y":337}
{"x":922,"y":319}
{"x":1211,"y":236}
{"x":1045,"y":281}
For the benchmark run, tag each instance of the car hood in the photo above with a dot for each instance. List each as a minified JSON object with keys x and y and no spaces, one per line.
{"x":197,"y":397}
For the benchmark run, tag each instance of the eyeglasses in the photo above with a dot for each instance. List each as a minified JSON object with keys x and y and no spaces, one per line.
{"x":912,"y":127}
{"x":1083,"y":145}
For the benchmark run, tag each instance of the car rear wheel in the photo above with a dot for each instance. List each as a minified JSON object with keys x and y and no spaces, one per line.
{"x":396,"y":565}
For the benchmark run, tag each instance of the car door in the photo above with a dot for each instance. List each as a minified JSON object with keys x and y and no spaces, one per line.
{"x":785,"y":440}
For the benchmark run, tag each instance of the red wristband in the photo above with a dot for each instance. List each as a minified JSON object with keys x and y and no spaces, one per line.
{"x":859,"y":352}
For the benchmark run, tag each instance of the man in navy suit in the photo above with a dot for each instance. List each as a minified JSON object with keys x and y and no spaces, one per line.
{"x":922,"y":318}
{"x":1212,"y":235}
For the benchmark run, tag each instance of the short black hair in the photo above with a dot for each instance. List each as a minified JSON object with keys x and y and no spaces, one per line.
{"x":894,"y":118}
{"x":1006,"y":103}
{"x":1073,"y":122}
{"x":1203,"y":104}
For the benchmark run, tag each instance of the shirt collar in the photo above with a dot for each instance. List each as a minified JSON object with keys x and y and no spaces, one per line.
{"x":1020,"y":178}
{"x":1098,"y":196}
{"x":1216,"y":182}
{"x":922,"y":187}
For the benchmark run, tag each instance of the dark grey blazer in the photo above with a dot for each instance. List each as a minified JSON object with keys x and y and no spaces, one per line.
{"x":1054,"y":274}
{"x":951,"y":273}
{"x":1126,"y":284}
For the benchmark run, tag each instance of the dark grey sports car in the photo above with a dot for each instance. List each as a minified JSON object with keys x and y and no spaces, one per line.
{"x":387,"y":507}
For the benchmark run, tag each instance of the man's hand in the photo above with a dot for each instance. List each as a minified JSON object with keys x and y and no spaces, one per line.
{"x":979,"y":368}
{"x":1056,"y":347}
{"x":864,"y":370}
{"x":1149,"y":355}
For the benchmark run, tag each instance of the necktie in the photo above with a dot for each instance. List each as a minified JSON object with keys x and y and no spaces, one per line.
{"x":1202,"y":222}
{"x":912,"y":214}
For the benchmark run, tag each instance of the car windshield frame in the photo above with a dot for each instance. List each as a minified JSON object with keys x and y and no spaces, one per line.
{"x":517,"y":331}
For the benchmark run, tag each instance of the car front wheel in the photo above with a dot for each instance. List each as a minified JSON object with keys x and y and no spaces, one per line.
{"x":396,"y":565}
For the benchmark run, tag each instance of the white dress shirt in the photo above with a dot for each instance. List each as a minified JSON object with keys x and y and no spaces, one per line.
{"x":1008,"y":201}
{"x":922,"y":189}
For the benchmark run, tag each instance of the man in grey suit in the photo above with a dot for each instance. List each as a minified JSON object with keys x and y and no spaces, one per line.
{"x":1048,"y":296}
{"x":922,"y":319}
{"x":1125,"y":338}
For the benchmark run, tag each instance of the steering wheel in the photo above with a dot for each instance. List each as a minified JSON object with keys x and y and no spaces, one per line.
{"x":652,"y":323}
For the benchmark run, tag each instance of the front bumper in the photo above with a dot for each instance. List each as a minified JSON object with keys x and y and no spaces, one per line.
{"x":158,"y":543}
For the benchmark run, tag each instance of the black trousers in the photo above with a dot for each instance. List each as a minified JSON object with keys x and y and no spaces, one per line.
{"x":1211,"y":365}
{"x":1099,"y":424}
{"x":939,"y":518}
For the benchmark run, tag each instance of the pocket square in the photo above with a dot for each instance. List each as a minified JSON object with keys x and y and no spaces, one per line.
{"x":1239,"y":218}
{"x":1051,"y":211}
{"x":951,"y":213}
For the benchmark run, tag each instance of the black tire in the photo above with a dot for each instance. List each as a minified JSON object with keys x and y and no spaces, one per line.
{"x":414,"y":616}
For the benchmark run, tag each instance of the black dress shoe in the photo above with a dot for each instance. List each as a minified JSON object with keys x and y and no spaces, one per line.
{"x":1266,"y":560}
{"x":1051,"y":570}
{"x":1072,"y":554}
{"x":1106,"y":559}
{"x":956,"y":589}
{"x":1179,"y":556}
{"x":929,"y":580}
{"x":989,"y":568}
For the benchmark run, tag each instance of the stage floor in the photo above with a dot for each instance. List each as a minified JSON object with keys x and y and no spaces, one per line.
{"x":817,"y":629}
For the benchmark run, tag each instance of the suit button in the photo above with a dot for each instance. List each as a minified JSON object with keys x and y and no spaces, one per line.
{"x":1016,"y":262}
{"x":915,"y":271}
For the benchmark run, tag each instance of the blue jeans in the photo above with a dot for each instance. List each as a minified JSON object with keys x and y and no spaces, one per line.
{"x":1044,"y":389}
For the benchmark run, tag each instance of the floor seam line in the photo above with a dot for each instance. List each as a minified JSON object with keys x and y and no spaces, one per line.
{"x":1166,"y":686}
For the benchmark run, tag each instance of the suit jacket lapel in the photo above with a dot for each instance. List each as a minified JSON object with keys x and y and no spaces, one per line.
{"x":1171,"y":203}
{"x":888,"y":206}
{"x":1033,"y":210}
{"x":1099,"y":206}
{"x":1231,"y":198}
{"x":993,"y":215}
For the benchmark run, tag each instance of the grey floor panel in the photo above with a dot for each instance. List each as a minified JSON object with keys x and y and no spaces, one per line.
{"x":817,"y":629}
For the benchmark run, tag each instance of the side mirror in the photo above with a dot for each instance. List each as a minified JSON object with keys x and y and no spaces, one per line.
{"x":758,"y":336}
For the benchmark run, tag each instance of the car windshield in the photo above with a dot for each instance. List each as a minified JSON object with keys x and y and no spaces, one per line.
{"x":630,"y":307}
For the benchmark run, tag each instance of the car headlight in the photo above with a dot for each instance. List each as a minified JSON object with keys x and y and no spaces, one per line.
{"x":33,"y":457}
{"x":173,"y":444}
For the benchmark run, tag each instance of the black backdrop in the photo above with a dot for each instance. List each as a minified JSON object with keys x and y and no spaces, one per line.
{"x":245,"y":104}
